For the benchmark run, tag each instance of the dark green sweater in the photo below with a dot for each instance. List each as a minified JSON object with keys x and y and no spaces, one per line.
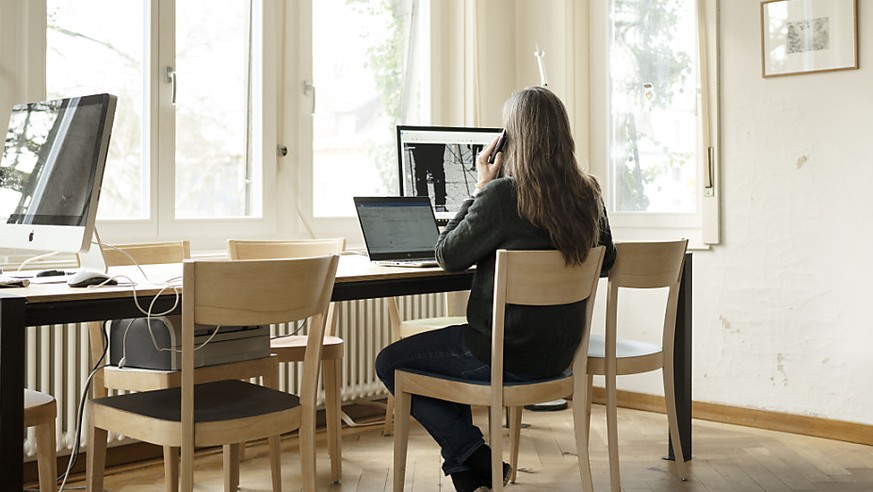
{"x":539,"y":340}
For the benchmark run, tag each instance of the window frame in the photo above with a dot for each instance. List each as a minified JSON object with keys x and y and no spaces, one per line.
{"x":703,"y":227}
{"x":159,"y":122}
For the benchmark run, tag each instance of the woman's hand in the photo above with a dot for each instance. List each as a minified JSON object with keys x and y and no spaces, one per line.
{"x":486,"y":171}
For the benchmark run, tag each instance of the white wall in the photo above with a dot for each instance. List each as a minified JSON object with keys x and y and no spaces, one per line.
{"x":781,"y":309}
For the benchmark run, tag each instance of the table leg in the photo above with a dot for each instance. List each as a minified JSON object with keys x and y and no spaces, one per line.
{"x":11,"y":392}
{"x":682,"y":362}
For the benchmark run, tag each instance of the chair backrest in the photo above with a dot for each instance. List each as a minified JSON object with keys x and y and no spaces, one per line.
{"x":541,"y":278}
{"x":646,"y":265}
{"x":146,"y":253}
{"x":238,"y":249}
{"x":255,"y":292}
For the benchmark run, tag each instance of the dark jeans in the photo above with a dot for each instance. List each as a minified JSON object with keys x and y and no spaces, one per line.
{"x":442,"y":352}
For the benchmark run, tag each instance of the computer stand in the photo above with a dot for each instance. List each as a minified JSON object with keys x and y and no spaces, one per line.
{"x":91,"y":259}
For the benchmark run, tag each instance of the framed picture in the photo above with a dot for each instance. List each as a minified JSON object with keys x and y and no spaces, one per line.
{"x":803,"y":36}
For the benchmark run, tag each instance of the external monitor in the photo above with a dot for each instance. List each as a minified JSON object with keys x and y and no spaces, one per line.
{"x":51,"y":172}
{"x":440,"y":162}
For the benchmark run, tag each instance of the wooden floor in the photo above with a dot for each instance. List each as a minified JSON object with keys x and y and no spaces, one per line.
{"x":726,"y":458}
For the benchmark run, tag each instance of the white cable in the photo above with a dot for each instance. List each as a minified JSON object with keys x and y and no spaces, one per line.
{"x":132,"y":260}
{"x":37,"y":257}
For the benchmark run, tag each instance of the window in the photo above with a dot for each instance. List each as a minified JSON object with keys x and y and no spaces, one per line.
{"x":654,"y":135}
{"x":215,"y":176}
{"x":85,"y":55}
{"x":366,"y":77}
{"x":188,"y":142}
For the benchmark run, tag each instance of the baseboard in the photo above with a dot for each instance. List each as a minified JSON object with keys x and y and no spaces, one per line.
{"x":762,"y":419}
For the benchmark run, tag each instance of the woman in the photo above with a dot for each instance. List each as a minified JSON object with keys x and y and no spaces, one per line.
{"x":542,"y":201}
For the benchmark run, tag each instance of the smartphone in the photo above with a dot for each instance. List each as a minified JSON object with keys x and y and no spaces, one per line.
{"x":501,"y":142}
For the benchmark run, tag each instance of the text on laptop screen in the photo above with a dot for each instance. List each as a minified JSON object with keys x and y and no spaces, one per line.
{"x":392,"y":227}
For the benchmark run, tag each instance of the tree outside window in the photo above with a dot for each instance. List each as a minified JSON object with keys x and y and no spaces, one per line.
{"x":653,"y":106}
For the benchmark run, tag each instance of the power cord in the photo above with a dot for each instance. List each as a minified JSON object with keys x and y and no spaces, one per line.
{"x":80,"y":411}
{"x":300,"y":325}
{"x":35,"y":258}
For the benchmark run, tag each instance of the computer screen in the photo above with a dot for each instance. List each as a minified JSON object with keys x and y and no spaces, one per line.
{"x":440,"y":162}
{"x":51,"y":172}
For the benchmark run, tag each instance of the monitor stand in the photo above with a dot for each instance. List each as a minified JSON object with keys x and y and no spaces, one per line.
{"x":91,"y":259}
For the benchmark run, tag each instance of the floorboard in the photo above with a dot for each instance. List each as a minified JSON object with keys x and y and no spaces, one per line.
{"x":727,"y":458}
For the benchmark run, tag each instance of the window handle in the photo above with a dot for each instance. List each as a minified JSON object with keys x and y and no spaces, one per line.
{"x":308,"y":88}
{"x":709,"y":173}
{"x":170,"y":78}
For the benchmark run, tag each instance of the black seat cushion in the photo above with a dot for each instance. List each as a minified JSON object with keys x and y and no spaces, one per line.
{"x":215,"y":401}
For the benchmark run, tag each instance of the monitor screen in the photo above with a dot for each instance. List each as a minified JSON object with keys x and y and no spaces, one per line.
{"x":440,"y":162}
{"x":51,"y":172}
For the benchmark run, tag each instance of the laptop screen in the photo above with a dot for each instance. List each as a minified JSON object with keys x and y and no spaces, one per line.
{"x":394,"y":228}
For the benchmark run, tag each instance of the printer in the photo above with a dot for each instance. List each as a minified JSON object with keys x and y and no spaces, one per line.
{"x":156,"y":343}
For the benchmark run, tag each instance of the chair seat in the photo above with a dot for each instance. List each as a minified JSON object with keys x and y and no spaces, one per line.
{"x":632,"y":356}
{"x":415,"y":326}
{"x":293,"y":348}
{"x":563,"y":375}
{"x":137,"y":379}
{"x":38,"y":408}
{"x":515,"y":393}
{"x":40,"y":412}
{"x":215,"y":401}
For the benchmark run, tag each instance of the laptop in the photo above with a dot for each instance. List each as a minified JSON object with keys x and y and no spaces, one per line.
{"x":398,"y":230}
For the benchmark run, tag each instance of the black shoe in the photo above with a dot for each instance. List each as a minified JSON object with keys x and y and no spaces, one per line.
{"x":480,"y":461}
{"x":507,"y":471}
{"x":468,"y":481}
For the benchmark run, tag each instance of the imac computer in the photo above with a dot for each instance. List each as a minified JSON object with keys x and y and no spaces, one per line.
{"x":440,"y":162}
{"x":50,"y":175}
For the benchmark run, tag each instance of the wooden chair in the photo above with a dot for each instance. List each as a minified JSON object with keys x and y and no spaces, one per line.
{"x":402,"y":328}
{"x":526,"y":278}
{"x":292,"y":348}
{"x":40,"y":411}
{"x":133,"y":379}
{"x":230,"y":411}
{"x":643,"y":265}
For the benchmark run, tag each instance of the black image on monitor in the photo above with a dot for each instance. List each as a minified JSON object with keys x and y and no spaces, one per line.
{"x":440,"y":162}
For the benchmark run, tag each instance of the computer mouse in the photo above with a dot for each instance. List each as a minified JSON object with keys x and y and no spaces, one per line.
{"x":50,"y":273}
{"x":84,"y":278}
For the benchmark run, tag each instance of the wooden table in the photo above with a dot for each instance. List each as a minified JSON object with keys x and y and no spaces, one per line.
{"x":357,"y":278}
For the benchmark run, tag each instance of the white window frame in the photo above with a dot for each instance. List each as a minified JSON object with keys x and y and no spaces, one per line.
{"x":701,"y":228}
{"x":24,"y":25}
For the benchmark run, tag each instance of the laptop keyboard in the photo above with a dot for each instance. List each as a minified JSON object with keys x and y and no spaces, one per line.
{"x":407,"y":262}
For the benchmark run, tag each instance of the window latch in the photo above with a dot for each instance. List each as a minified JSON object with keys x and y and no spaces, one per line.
{"x":170,"y":78}
{"x":308,"y":89}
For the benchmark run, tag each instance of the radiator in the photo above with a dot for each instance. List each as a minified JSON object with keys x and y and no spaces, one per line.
{"x":57,"y":360}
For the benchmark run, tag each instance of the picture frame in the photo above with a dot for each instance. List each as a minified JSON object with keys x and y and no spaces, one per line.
{"x":807,"y":36}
